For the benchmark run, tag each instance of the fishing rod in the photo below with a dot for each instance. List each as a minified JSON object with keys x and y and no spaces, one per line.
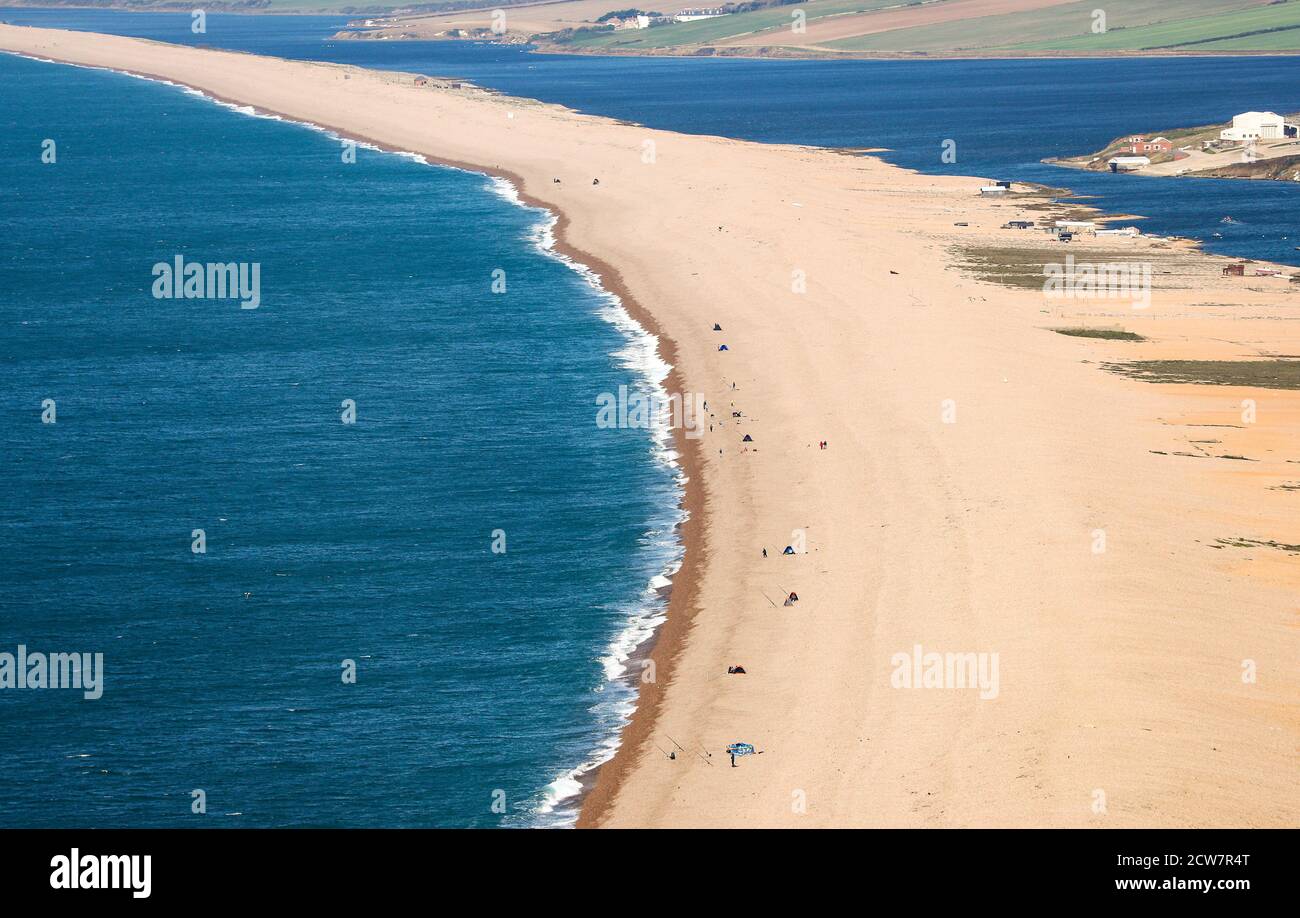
{"x":684,"y":749}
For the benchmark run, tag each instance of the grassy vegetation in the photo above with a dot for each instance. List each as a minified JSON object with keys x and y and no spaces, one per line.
{"x":1022,"y":267}
{"x":1109,"y":334}
{"x":1278,"y":24}
{"x":344,"y":7}
{"x":1260,"y":374}
{"x":1051,"y":27}
{"x":707,"y":31}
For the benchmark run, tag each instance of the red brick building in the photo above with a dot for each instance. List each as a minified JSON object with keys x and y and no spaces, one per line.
{"x":1141,"y":146}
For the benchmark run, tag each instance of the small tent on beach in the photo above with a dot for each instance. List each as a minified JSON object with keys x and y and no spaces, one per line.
{"x":748,"y":439}
{"x":723,"y":347}
{"x":717,"y":327}
{"x":789,"y":550}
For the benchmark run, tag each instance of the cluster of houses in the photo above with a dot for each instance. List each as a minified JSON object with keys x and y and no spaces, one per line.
{"x":1140,"y":150}
{"x":703,"y":13}
{"x":631,"y":22}
{"x":687,"y":15}
{"x":1247,"y":128}
{"x":1138,"y":145}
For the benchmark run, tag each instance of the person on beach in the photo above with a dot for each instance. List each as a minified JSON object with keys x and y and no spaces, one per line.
{"x":764,"y":552}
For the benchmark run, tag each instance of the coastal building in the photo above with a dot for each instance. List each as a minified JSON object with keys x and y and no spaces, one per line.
{"x":631,"y":22}
{"x":692,"y":15}
{"x":1075,"y":226}
{"x":994,"y":189}
{"x":1255,"y":126}
{"x":1128,"y":163}
{"x":1139,"y":145}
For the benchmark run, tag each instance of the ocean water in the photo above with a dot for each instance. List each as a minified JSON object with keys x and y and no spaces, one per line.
{"x":1004,"y":116}
{"x":482,"y":678}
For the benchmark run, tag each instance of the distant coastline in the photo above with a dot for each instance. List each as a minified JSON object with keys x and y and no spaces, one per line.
{"x":558,"y":32}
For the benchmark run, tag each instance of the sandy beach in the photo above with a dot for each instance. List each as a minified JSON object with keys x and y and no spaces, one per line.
{"x":1129,"y":550}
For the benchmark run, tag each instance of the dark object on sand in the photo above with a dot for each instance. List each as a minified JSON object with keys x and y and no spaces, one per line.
{"x":736,"y":671}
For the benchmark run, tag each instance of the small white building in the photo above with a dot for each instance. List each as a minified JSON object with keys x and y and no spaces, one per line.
{"x":1128,"y":163}
{"x":1255,"y":126}
{"x":994,"y":189}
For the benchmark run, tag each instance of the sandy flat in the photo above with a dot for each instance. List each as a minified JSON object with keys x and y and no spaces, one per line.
{"x":976,"y":463}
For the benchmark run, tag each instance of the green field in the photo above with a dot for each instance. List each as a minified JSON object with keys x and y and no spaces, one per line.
{"x":706,"y":31}
{"x":1050,"y":28}
{"x":345,"y":7}
{"x":1269,"y":27}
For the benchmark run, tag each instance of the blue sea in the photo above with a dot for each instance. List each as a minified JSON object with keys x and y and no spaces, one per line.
{"x":483,"y":678}
{"x":486,"y":681}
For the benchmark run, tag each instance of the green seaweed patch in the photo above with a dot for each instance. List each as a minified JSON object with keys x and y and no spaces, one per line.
{"x":1110,"y":334}
{"x":1259,"y":374}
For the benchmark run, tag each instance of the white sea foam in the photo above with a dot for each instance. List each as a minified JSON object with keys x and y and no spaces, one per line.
{"x":640,"y":355}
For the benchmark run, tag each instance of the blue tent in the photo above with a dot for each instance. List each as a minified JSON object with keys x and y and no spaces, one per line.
{"x":740,"y":749}
{"x":723,"y":347}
